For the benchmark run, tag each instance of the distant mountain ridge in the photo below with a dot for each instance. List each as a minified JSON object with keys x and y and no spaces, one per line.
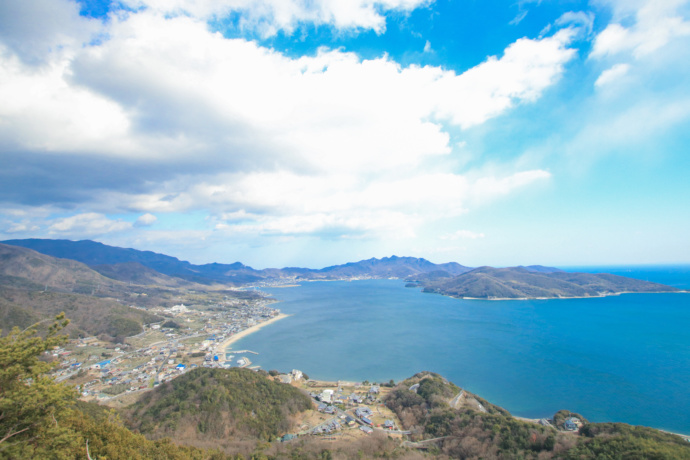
{"x":101,"y":256}
{"x":453,"y":279}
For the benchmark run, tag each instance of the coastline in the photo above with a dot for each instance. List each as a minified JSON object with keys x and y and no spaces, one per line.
{"x":559,"y":297}
{"x":240,"y":335}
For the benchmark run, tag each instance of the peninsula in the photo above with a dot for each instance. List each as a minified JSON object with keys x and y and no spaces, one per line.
{"x":530,"y":283}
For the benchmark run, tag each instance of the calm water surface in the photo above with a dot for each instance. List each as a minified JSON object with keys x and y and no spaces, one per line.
{"x":622,"y":358}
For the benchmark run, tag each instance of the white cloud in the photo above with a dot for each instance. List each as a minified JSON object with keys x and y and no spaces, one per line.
{"x":145,"y":220}
{"x":269,"y":16}
{"x":610,"y":75}
{"x":22,"y":228}
{"x":656,"y":23}
{"x":285,"y":203}
{"x":328,"y":144}
{"x":581,"y":19}
{"x":87,"y":224}
{"x":167,"y":88}
{"x":427,"y":47}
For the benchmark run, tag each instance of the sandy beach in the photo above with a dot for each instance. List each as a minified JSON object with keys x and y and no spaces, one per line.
{"x":230,"y":340}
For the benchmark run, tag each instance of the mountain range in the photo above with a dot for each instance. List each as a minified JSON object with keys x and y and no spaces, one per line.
{"x":109,"y":259}
{"x":453,"y":279}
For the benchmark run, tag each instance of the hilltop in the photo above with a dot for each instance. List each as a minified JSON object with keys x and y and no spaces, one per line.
{"x":233,"y":409}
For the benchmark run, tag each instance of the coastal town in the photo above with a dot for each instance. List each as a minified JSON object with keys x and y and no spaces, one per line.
{"x":186,"y":338}
{"x":116,"y":374}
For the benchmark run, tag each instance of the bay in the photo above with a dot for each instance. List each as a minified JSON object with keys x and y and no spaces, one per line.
{"x":621,"y":358}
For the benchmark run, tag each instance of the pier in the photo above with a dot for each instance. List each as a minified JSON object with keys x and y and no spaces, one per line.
{"x":239,"y":352}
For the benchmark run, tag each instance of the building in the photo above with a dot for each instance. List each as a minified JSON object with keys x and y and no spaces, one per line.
{"x":101,"y":365}
{"x":572,"y":424}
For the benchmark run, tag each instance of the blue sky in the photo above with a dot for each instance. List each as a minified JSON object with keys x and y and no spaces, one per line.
{"x":311,"y":133}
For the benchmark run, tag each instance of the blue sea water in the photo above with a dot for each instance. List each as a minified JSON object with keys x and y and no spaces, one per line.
{"x":621,"y":358}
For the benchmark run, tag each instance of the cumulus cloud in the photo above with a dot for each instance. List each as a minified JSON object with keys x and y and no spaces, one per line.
{"x":655,"y":24}
{"x":163,"y":115}
{"x":145,"y":220}
{"x":87,"y":224}
{"x":270,"y":16}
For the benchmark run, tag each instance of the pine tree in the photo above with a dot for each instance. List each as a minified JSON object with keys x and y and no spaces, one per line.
{"x":31,"y":403}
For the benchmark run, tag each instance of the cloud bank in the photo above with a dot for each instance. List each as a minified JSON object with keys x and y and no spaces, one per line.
{"x":153,"y":112}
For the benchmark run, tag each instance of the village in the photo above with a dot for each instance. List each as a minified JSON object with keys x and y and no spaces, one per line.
{"x":115,"y":374}
{"x":342,"y":409}
{"x":185,"y":339}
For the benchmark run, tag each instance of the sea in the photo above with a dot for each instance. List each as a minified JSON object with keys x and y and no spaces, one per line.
{"x":623,"y":358}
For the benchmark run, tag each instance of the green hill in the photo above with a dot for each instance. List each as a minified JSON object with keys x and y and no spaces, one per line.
{"x":522,"y":282}
{"x":474,"y":428}
{"x":229,"y":408}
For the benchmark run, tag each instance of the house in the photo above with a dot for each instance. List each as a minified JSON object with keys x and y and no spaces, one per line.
{"x":572,"y":424}
{"x":374,"y":389}
{"x":296,"y":375}
{"x":101,"y":365}
{"x":366,"y":429}
{"x":389,"y":424}
{"x":363,"y":412}
{"x":367,"y":421}
{"x":356,"y":398}
{"x":181,"y":367}
{"x":285,"y":378}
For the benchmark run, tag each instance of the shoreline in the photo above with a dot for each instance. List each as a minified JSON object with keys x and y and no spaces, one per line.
{"x":242,"y":334}
{"x":558,"y":298}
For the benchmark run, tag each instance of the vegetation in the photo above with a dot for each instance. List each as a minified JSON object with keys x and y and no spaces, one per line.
{"x":561,"y":416}
{"x":525,"y":282}
{"x":40,"y":418}
{"x":492,"y":432}
{"x":232,"y":408}
{"x":619,"y":440}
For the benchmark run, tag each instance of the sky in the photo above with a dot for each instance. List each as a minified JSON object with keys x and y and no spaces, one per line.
{"x":317,"y":132}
